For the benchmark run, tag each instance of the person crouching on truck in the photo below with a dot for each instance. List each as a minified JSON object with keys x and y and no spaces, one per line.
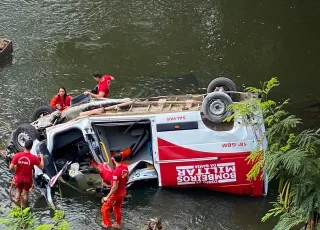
{"x":61,"y":100}
{"x":103,"y":85}
{"x":23,"y":162}
{"x":116,"y":195}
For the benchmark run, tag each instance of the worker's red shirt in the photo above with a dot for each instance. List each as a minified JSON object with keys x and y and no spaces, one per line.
{"x":120,"y":174}
{"x":104,"y":85}
{"x":106,"y":173}
{"x":65,"y":103}
{"x":24,"y":165}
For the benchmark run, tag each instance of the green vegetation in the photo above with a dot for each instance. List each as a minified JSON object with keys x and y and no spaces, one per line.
{"x":19,"y":218}
{"x":291,"y":157}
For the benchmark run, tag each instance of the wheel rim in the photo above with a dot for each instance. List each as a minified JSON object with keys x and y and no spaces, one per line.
{"x":42,"y":114}
{"x":225,"y":88}
{"x":22,"y":137}
{"x":217,"y":107}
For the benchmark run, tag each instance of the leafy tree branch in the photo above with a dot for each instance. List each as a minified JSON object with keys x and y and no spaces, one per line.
{"x":285,"y":154}
{"x":19,"y":218}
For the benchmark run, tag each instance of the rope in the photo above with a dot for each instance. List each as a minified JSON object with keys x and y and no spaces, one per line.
{"x":69,"y":185}
{"x":60,"y":190}
{"x":10,"y":188}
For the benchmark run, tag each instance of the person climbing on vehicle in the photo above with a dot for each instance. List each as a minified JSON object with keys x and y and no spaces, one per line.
{"x":103,"y":88}
{"x":116,"y":195}
{"x":23,"y":162}
{"x":105,"y":173}
{"x":61,"y":100}
{"x":125,"y":153}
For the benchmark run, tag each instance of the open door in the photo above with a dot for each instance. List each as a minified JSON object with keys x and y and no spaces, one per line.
{"x":49,"y":166}
{"x":134,"y":140}
{"x":104,"y":153}
{"x":45,"y":180}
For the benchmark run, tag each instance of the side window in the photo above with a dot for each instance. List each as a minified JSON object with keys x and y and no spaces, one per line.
{"x":176,"y":126}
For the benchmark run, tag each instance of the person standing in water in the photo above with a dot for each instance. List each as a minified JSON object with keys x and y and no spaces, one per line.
{"x":116,"y":195}
{"x":24,"y":162}
{"x":61,"y":101}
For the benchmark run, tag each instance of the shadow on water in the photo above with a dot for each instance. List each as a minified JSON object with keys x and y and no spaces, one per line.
{"x":6,"y":62}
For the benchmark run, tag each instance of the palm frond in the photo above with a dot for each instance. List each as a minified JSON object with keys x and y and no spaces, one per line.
{"x":308,"y":139}
{"x":290,"y":156}
{"x":292,"y":160}
{"x":288,"y":221}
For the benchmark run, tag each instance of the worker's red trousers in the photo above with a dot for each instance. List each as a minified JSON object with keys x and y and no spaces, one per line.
{"x":115,"y":201}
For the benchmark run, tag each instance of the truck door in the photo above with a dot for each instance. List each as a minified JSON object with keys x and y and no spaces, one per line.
{"x":101,"y":146}
{"x":175,"y":137}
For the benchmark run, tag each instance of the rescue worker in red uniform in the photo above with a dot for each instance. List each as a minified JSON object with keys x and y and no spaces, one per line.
{"x":103,"y":85}
{"x":116,"y":195}
{"x":23,"y":162}
{"x":61,"y":101}
{"x":105,"y":173}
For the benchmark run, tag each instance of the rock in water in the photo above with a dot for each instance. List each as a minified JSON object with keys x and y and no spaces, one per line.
{"x":154,"y":224}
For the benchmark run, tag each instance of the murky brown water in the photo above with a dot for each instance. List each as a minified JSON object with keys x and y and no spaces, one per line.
{"x":158,"y":47}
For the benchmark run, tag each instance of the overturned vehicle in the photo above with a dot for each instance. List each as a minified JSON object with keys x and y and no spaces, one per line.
{"x":176,"y":141}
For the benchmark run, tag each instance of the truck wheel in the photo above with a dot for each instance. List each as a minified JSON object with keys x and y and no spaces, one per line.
{"x":215,"y":106}
{"x":22,"y":133}
{"x":40,"y":112}
{"x":225,"y":83}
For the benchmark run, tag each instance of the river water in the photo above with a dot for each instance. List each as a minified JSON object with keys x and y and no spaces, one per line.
{"x":152,"y":48}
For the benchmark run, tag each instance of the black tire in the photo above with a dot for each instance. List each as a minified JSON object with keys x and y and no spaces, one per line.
{"x":22,"y":133}
{"x":215,"y":106}
{"x":41,"y":111}
{"x":225,"y":83}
